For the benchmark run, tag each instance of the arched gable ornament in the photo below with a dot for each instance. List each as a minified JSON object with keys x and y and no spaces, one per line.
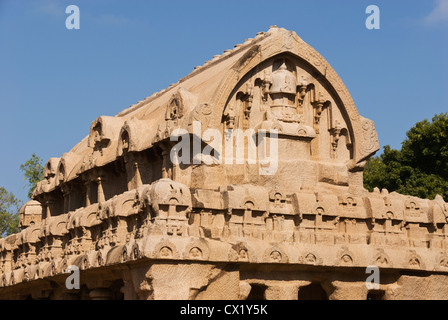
{"x":280,"y":41}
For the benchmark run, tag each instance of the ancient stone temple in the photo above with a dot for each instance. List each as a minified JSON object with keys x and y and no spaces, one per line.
{"x":244,"y":180}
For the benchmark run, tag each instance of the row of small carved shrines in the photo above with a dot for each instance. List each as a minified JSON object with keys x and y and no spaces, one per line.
{"x":167,"y":220}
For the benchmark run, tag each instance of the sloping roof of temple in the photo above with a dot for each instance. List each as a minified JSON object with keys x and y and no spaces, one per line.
{"x":211,"y":84}
{"x":222,"y":223}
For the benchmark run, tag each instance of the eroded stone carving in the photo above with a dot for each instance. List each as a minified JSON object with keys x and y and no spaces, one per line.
{"x":135,"y":223}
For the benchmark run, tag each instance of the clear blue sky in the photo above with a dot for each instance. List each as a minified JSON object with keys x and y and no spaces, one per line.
{"x":54,"y":82}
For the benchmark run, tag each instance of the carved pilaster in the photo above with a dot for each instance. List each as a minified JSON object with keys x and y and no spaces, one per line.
{"x":137,"y":177}
{"x":87,"y":190}
{"x":49,"y":205}
{"x":100,"y":190}
{"x":167,"y":168}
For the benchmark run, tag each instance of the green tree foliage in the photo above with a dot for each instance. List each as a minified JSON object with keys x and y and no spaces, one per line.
{"x":10,"y":205}
{"x":420,"y":168}
{"x":9,"y":213}
{"x":33,"y":171}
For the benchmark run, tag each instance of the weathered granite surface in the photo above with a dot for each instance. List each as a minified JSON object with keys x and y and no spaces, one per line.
{"x":140,"y":226}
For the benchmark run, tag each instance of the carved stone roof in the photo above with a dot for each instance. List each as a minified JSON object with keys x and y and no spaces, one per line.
{"x":211,"y":85}
{"x":118,"y":198}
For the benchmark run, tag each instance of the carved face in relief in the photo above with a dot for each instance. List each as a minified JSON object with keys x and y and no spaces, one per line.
{"x":411,"y":205}
{"x":195,"y":253}
{"x":414,"y":262}
{"x":444,"y":262}
{"x":310,"y":258}
{"x":275,"y":256}
{"x":381,"y":260}
{"x":389,"y":215}
{"x":166,"y":252}
{"x":351,"y":201}
{"x":346,"y":259}
{"x":249,"y":205}
{"x":277,"y":198}
{"x":243,"y":255}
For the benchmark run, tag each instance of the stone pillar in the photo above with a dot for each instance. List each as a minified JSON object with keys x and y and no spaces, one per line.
{"x":100,"y":190}
{"x":349,"y":291}
{"x":47,"y":209}
{"x":49,"y":203}
{"x":282,"y":292}
{"x":87,"y":185}
{"x":133,"y":175}
{"x":244,"y":290}
{"x":196,"y":281}
{"x":166,"y":162}
{"x":137,"y":178}
{"x":128,"y":290}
